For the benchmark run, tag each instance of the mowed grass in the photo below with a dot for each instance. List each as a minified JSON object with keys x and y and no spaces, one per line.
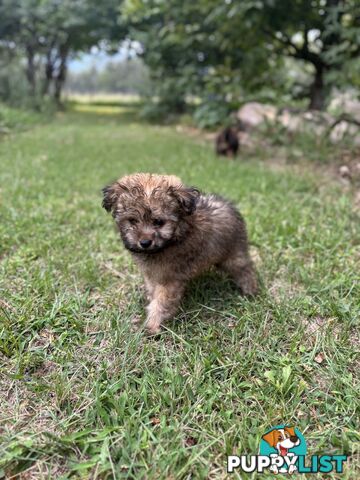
{"x":84,"y":396}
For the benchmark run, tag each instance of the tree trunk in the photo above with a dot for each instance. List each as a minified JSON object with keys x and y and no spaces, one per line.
{"x":61,"y":74}
{"x":49,"y":72}
{"x":30,"y":70}
{"x":317,"y":91}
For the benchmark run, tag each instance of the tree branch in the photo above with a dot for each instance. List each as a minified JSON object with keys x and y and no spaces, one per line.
{"x":345,"y":117}
{"x":300,"y":53}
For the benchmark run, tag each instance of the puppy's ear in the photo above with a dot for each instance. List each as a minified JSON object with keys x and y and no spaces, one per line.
{"x":291,"y":431}
{"x":271,"y":438}
{"x":187,"y":198}
{"x":111,"y":195}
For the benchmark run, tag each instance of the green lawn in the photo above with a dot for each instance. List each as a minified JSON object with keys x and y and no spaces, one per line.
{"x":83,"y":395}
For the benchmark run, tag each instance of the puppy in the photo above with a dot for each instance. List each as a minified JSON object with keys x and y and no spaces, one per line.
{"x":227,"y":142}
{"x":174,"y":233}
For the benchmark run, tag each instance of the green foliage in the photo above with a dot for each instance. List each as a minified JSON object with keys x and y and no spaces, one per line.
{"x":13,"y":84}
{"x":165,"y":100}
{"x":212,"y":113}
{"x":241,"y":47}
{"x":17,"y":119}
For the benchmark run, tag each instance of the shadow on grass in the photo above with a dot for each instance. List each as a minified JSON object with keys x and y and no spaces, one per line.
{"x":210,"y":296}
{"x":211,"y":286}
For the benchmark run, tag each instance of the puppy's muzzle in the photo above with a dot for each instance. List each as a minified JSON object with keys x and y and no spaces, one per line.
{"x":145,"y":243}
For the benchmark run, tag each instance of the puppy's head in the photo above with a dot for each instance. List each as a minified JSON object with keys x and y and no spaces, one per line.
{"x":151,"y":211}
{"x":286,"y":437}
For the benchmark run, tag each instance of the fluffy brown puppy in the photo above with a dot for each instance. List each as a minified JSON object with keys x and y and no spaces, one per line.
{"x":174,"y":233}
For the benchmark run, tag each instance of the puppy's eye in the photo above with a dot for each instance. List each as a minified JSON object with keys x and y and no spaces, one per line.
{"x":158,"y":222}
{"x":133,"y":221}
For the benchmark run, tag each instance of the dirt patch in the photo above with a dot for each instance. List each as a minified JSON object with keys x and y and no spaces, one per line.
{"x":281,"y":287}
{"x":319,"y":326}
{"x":314,"y":325}
{"x":42,"y":340}
{"x":355,"y":339}
{"x":20,"y":408}
{"x":43,"y":468}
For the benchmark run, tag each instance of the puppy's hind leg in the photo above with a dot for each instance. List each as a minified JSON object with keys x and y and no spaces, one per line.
{"x":240,"y":267}
{"x":163,"y":306}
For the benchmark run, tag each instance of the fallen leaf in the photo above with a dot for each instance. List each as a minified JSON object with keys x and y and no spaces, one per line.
{"x":155,"y":421}
{"x":190,"y":441}
{"x":319,"y":358}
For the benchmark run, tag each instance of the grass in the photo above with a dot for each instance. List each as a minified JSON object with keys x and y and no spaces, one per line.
{"x":15,"y":119}
{"x":84,"y":396}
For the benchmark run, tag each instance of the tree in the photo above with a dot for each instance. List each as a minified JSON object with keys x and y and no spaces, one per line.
{"x":323,"y":33}
{"x":231,"y":45}
{"x":191,"y":52}
{"x":48,"y":32}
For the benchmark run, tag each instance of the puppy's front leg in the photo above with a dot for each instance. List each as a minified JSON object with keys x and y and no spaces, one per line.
{"x":163,"y":306}
{"x":149,"y":288}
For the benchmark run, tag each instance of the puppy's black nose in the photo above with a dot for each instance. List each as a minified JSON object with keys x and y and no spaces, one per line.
{"x":294,"y":439}
{"x":145,"y":243}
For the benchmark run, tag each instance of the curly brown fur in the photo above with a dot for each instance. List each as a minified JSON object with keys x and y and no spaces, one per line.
{"x":175,"y":233}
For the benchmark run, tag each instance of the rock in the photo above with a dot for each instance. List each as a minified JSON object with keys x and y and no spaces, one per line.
{"x":246,"y":140}
{"x":343,"y":129}
{"x":253,"y":114}
{"x":321,"y":118}
{"x":346,"y":103}
{"x":344,"y":171}
{"x":292,"y":122}
{"x":317,"y":122}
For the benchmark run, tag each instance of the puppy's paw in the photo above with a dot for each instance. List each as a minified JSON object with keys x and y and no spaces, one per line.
{"x":250,"y":291}
{"x":274,"y":469}
{"x":152,"y":329}
{"x":249,"y":286}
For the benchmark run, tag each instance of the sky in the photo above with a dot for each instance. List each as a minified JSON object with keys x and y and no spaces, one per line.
{"x":100,"y":58}
{"x":87,"y":60}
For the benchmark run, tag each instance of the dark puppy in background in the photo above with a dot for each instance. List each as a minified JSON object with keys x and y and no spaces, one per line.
{"x":227,"y":142}
{"x":175,"y":233}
